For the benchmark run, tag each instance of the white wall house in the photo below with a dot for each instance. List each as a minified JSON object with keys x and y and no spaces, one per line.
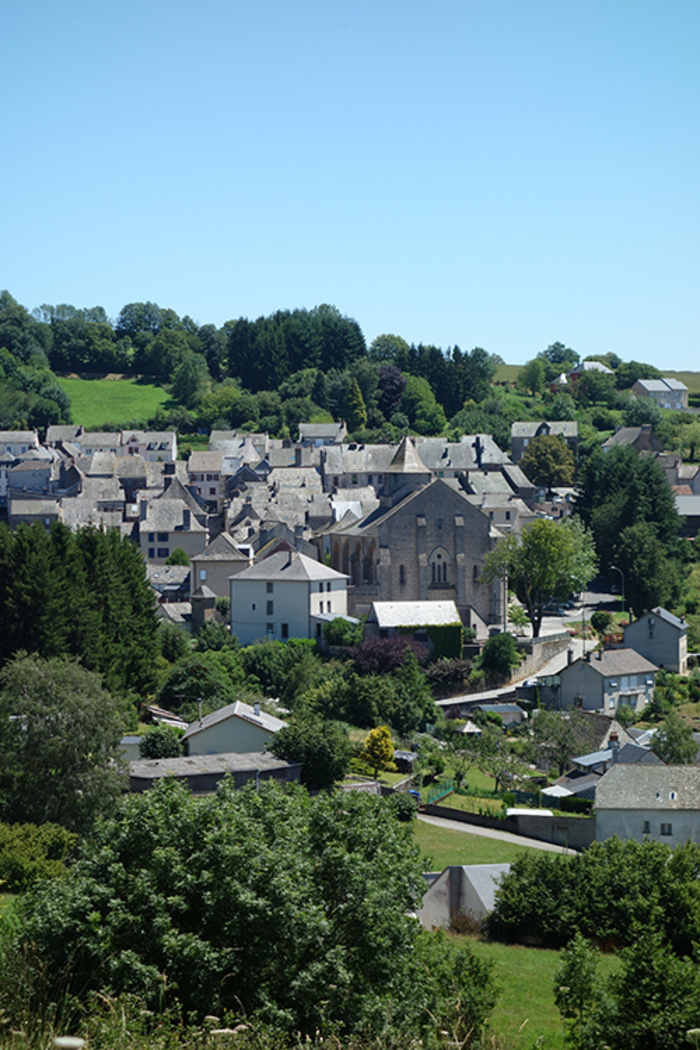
{"x":658,"y":802}
{"x":237,"y":728}
{"x":287,"y":595}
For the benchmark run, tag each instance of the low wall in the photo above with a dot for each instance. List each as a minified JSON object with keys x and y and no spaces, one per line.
{"x":575,"y":832}
{"x":539,"y":651}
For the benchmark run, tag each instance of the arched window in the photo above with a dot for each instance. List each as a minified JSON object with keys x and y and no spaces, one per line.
{"x":439,"y":567}
{"x":402,"y":573}
{"x":475,"y":574}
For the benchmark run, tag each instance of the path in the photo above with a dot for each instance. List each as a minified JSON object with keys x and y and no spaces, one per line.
{"x":492,"y":833}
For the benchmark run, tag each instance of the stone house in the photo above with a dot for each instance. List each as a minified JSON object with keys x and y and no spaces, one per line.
{"x":205,"y":473}
{"x":165,"y":525}
{"x":604,"y":680}
{"x":662,"y":638}
{"x":649,"y":801}
{"x":428,"y":540}
{"x":522,"y":433}
{"x":216,"y":563}
{"x":668,"y":393}
{"x":286,"y":595}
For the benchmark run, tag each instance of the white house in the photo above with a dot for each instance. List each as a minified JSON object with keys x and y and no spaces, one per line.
{"x":237,"y":728}
{"x":287,"y":595}
{"x":660,"y":637}
{"x":658,"y":802}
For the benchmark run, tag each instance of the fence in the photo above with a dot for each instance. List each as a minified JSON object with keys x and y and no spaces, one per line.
{"x":445,"y":787}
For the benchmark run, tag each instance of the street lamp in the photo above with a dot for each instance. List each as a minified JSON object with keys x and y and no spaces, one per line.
{"x":622,"y":587}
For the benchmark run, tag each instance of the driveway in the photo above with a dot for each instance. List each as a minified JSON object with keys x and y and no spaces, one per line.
{"x":492,"y":833}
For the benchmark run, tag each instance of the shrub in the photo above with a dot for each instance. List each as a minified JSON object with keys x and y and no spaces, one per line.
{"x":29,"y":852}
{"x":499,"y":656}
{"x":386,"y":655}
{"x":161,"y":742}
{"x":342,"y":632}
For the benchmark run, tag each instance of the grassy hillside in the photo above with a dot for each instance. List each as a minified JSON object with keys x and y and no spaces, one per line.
{"x":444,"y":847}
{"x":691,"y":380}
{"x":97,"y":402}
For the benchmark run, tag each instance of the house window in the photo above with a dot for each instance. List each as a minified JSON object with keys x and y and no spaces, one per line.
{"x":270,"y":628}
{"x":667,"y":829}
{"x":163,"y":537}
{"x":507,"y":515}
{"x":269,"y":587}
{"x":329,"y":607}
{"x":212,"y":492}
{"x":369,"y":479}
{"x":285,"y":631}
{"x":163,"y":552}
{"x":252,"y":606}
{"x":270,"y":608}
{"x":647,"y":828}
{"x":328,"y":586}
{"x":475,"y":574}
{"x":320,"y":588}
{"x":673,"y":796}
{"x":202,"y":574}
{"x":151,"y":552}
{"x":151,"y":537}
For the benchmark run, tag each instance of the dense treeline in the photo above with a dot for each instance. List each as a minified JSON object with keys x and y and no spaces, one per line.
{"x":607,"y":893}
{"x":78,"y":594}
{"x":30,"y":395}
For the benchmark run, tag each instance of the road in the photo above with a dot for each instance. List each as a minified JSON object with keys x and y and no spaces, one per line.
{"x":492,"y":833}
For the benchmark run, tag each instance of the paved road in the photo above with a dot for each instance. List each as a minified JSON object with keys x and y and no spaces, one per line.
{"x":492,"y":833}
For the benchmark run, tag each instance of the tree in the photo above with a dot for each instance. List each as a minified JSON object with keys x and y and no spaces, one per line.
{"x":576,"y":984}
{"x":548,"y":461}
{"x":627,"y":374}
{"x":650,"y":578}
{"x":601,"y":621}
{"x":379,"y":749}
{"x":496,"y":759}
{"x":322,"y":747}
{"x":673,"y":742}
{"x":622,"y":488}
{"x":161,"y":742}
{"x":60,"y":730}
{"x":499,"y":656}
{"x":558,"y":358}
{"x":413,"y":698}
{"x":354,"y":409}
{"x":392,"y":384}
{"x":177,"y":557}
{"x":531,"y":376}
{"x":289,"y":910}
{"x":197,"y":677}
{"x":550,"y":560}
{"x":191,"y":380}
{"x":518,"y":617}
{"x":560,"y":736}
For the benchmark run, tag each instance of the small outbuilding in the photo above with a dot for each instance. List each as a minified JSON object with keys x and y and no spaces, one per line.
{"x":461,"y":891}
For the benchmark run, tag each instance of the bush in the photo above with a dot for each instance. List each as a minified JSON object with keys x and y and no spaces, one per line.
{"x":444,"y":674}
{"x":499,"y":656}
{"x":386,"y":655}
{"x":161,"y":742}
{"x":29,"y":852}
{"x":342,"y":632}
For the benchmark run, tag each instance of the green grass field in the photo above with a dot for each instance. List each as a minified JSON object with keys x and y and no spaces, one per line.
{"x":96,"y":402}
{"x":691,"y":379}
{"x":444,"y":847}
{"x":525,"y":1010}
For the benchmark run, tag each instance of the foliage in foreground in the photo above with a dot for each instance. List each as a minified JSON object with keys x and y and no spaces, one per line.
{"x":29,"y":853}
{"x":269,"y":904}
{"x":60,"y":732}
{"x":607,"y":892}
{"x":654,"y":1001}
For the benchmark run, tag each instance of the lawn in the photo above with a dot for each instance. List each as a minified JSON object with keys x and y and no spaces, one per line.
{"x":691,"y":380}
{"x":444,"y":847}
{"x":96,"y":402}
{"x":525,"y":1008}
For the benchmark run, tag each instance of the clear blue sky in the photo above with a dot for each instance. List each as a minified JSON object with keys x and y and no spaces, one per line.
{"x":500,"y":173}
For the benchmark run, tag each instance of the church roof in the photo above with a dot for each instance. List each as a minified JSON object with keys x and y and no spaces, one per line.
{"x":406,"y":460}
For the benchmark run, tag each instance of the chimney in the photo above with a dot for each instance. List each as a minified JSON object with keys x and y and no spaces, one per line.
{"x":186,"y":517}
{"x":297,"y":457}
{"x":143,"y":509}
{"x":599,"y":654}
{"x":256,"y":709}
{"x":614,"y":742}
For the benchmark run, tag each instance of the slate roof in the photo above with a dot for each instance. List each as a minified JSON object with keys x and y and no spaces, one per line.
{"x":231,"y":762}
{"x":280,"y":567}
{"x":406,"y":460}
{"x":617,"y":662}
{"x":166,"y":515}
{"x":564,"y":427}
{"x":235,"y":710}
{"x":650,"y":787}
{"x":221,"y":548}
{"x":205,"y":462}
{"x":414,"y":614}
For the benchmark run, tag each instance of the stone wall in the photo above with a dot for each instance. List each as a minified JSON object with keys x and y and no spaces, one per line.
{"x":575,"y":832}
